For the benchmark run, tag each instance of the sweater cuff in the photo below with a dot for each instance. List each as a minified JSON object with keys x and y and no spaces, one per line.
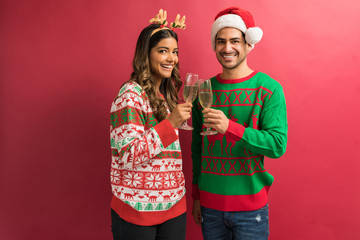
{"x":195,"y":193}
{"x":235,"y":131}
{"x":166,"y":132}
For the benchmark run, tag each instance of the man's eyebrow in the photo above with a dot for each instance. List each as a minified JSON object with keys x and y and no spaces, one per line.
{"x":235,"y":38}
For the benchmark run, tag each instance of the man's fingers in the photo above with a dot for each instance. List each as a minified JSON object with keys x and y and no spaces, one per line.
{"x":197,"y":218}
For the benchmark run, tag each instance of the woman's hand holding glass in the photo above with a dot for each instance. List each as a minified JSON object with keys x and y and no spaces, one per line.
{"x":189,"y":94}
{"x":179,"y":114}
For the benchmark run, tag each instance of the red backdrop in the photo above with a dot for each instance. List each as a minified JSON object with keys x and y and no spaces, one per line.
{"x":62,"y":62}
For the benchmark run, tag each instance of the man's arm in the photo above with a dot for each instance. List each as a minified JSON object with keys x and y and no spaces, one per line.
{"x":196,"y":147}
{"x":196,"y":154}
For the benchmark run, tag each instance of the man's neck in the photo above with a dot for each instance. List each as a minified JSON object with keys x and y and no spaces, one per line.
{"x":240,"y":72}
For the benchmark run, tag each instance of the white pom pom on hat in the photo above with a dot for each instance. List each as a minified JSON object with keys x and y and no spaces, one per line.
{"x":237,"y":18}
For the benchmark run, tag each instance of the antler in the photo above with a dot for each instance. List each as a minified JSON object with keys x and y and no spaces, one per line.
{"x":179,"y":23}
{"x":231,"y":115}
{"x":160,"y":18}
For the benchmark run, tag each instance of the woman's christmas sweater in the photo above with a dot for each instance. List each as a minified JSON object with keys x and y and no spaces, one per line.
{"x":147,"y":181}
{"x":228,"y":170}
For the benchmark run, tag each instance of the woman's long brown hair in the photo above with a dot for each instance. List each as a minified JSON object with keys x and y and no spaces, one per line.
{"x":141,"y":74}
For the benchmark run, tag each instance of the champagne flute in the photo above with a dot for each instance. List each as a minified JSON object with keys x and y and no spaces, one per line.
{"x":189,"y":94}
{"x":206,"y":99}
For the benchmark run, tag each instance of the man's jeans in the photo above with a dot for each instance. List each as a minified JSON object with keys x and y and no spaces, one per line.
{"x":242,"y":225}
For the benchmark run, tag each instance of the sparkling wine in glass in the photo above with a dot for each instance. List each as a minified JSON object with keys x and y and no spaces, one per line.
{"x":206,"y":99}
{"x":190,"y":92}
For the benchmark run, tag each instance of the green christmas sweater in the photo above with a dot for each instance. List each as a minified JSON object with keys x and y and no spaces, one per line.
{"x":228,"y":170}
{"x":147,"y":181}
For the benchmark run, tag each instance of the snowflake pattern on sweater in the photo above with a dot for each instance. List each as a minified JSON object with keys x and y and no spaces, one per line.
{"x":146,"y":174}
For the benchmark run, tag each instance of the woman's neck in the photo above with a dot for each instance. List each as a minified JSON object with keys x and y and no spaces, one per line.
{"x":157,"y":81}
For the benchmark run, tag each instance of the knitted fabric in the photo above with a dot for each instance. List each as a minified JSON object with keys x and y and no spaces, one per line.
{"x":146,"y":169}
{"x":228,"y":171}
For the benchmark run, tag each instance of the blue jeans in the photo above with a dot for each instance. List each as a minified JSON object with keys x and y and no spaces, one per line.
{"x":242,"y":225}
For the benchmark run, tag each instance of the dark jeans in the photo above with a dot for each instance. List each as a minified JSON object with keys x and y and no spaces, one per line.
{"x":243,"y":225}
{"x":173,"y":229}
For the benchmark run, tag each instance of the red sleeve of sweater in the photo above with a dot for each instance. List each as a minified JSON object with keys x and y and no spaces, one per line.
{"x":166,"y":132}
{"x":235,"y":131}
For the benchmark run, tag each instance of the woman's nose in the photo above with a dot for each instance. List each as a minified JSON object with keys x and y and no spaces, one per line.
{"x":170,"y":57}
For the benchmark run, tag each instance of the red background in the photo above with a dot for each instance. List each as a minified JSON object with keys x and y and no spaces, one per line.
{"x":62,"y":63}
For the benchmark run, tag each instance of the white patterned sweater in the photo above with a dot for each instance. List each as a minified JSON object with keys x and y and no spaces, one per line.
{"x":146,"y":168}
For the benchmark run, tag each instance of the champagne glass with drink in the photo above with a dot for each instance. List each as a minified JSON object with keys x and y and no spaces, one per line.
{"x":206,"y":99}
{"x":189,"y":94}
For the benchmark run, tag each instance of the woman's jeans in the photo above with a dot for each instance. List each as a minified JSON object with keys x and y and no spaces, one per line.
{"x":242,"y":225}
{"x":172,"y":229}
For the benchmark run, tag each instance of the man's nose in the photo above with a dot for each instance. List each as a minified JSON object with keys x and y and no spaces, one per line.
{"x":228,"y":47}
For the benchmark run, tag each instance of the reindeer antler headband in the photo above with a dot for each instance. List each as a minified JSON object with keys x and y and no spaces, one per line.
{"x":160,"y":18}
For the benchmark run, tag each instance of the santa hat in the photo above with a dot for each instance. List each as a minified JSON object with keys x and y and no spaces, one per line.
{"x":237,"y":18}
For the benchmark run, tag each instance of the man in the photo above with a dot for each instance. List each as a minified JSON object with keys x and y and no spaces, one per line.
{"x":230,"y":183}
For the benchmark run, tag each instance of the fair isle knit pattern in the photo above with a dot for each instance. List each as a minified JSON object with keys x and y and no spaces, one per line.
{"x":228,"y":171}
{"x":146,"y":174}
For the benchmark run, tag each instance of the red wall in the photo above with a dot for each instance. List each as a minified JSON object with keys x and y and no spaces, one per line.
{"x":62,"y":62}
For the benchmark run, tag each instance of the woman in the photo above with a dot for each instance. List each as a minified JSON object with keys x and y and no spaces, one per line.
{"x":146,"y":173}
